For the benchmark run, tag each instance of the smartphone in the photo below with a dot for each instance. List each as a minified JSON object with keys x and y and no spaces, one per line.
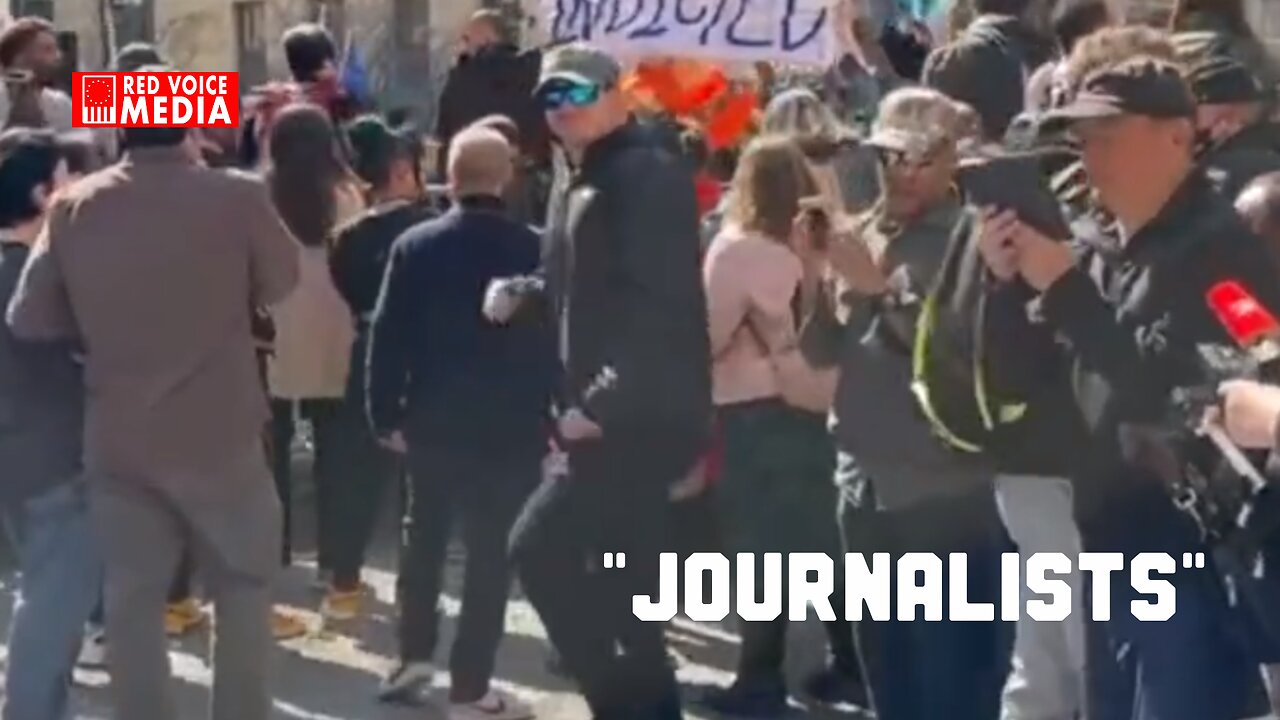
{"x":1015,"y":182}
{"x":818,"y":222}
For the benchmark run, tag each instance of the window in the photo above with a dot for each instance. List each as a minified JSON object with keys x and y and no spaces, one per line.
{"x":134,"y":21}
{"x":251,"y":43}
{"x":38,"y":8}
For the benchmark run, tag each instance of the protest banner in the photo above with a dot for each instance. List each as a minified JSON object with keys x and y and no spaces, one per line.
{"x":795,"y":32}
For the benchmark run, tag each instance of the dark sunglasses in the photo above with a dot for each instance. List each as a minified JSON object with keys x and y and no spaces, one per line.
{"x":571,"y":94}
{"x":902,"y":159}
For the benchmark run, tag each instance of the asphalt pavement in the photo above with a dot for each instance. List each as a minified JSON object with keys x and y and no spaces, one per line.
{"x":333,"y":672}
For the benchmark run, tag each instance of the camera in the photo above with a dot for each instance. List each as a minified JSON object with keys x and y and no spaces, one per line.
{"x":1214,"y":482}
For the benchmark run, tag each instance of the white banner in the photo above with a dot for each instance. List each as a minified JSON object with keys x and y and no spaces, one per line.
{"x":783,"y":31}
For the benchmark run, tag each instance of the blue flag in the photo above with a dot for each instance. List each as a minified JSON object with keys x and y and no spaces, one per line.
{"x":355,"y":76}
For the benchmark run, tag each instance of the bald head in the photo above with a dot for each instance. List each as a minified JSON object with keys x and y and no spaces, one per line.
{"x":479,"y":162}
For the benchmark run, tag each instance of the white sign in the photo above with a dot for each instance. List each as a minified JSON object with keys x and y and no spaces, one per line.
{"x":785,"y":31}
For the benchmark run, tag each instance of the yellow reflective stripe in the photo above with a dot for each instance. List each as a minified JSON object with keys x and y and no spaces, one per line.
{"x":944,"y":433}
{"x":1009,"y":413}
{"x":1012,"y":413}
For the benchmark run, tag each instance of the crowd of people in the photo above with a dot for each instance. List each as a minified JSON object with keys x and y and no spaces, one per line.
{"x":610,"y":338}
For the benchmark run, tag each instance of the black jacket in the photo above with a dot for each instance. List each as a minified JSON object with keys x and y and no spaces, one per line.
{"x":992,"y":327}
{"x":41,"y":403}
{"x":1133,"y":318}
{"x":987,"y":67}
{"x":437,"y":369}
{"x":362,"y":247}
{"x":498,"y":79}
{"x":621,"y":265}
{"x":1236,"y":161}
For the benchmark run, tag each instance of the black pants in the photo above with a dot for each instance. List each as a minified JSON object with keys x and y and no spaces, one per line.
{"x":361,"y":471}
{"x":776,"y":495}
{"x":486,"y":491}
{"x":323,"y":415}
{"x":927,"y":670}
{"x":614,"y":499}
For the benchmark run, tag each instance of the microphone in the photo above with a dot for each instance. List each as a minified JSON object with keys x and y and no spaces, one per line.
{"x":1251,"y":326}
{"x":1256,"y":334}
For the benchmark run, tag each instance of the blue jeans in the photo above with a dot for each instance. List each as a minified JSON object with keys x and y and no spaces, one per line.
{"x":61,"y":579}
{"x":1191,"y":667}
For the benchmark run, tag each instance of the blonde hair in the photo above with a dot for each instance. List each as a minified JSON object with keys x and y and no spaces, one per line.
{"x":771,"y":180}
{"x":801,"y":114}
{"x":1111,"y":46}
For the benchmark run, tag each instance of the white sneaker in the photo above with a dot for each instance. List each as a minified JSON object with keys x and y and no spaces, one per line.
{"x":495,"y":705}
{"x":93,"y":651}
{"x":408,"y":684}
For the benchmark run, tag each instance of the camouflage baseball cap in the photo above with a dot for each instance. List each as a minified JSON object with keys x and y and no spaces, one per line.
{"x":1142,"y":86}
{"x":916,"y":121}
{"x":581,"y":64}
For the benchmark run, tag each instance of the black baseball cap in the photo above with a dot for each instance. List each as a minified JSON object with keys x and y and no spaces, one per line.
{"x":1141,"y":86}
{"x":1220,"y":79}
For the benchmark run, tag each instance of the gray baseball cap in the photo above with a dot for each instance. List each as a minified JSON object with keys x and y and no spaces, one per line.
{"x":579,"y":63}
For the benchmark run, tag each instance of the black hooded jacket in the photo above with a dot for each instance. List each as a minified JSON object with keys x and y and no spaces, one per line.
{"x":497,"y":79}
{"x":624,"y":287}
{"x":988,"y":67}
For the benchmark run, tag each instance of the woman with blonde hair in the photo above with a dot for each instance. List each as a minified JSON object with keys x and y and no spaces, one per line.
{"x":843,"y":168}
{"x":763,"y":282}
{"x":314,"y":192}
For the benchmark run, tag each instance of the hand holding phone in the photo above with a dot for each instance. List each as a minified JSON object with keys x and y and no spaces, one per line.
{"x":813,"y":227}
{"x":1014,"y":182}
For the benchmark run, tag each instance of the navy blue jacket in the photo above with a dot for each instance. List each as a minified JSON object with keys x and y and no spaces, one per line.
{"x":438,"y":370}
{"x":41,"y":403}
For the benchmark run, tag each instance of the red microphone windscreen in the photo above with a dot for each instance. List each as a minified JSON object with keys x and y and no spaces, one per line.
{"x":1241,"y":314}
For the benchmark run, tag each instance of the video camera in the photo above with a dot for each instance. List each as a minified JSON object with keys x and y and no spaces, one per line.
{"x":1217,"y":483}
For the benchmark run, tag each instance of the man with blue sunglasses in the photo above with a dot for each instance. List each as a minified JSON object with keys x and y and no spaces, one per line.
{"x":621,"y":280}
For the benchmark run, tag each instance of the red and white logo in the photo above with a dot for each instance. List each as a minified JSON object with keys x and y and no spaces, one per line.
{"x":98,"y":99}
{"x":156,"y":99}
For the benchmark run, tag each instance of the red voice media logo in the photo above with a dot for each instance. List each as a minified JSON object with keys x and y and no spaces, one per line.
{"x":156,"y":99}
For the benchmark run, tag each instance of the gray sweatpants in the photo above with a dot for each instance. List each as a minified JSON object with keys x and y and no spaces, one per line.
{"x":1047,"y":678}
{"x":230,"y":521}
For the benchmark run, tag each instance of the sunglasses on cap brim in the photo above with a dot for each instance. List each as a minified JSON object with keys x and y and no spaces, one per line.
{"x":561,"y":94}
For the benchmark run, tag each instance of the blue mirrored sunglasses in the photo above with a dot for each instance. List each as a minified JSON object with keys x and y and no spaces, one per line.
{"x":572,"y":94}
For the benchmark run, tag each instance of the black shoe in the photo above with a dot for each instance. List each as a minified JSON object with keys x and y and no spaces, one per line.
{"x":834,"y":686}
{"x":748,"y":701}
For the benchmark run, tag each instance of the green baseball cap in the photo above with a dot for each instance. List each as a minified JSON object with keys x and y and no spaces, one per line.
{"x":580,"y":64}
